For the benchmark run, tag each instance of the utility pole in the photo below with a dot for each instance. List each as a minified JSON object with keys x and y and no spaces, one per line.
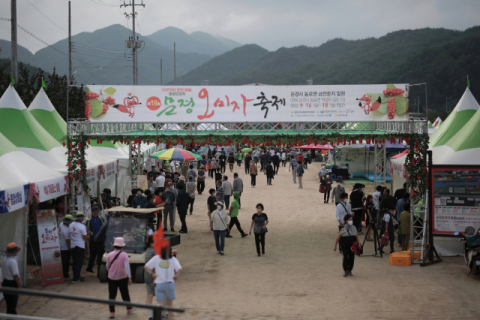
{"x":13,"y":19}
{"x":69,"y":45}
{"x":133,"y":43}
{"x":174,"y":65}
{"x":161,"y":76}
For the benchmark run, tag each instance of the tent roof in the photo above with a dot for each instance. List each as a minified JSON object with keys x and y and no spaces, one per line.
{"x":20,"y":127}
{"x":465,"y":109}
{"x":401,"y":154}
{"x":8,"y":181}
{"x":22,"y":166}
{"x":44,"y":112}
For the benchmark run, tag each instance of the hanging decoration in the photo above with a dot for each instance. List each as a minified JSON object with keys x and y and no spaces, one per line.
{"x":77,"y":166}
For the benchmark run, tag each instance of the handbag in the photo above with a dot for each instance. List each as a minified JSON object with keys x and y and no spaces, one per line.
{"x":322,"y":188}
{"x":384,"y":239}
{"x":264,"y":230}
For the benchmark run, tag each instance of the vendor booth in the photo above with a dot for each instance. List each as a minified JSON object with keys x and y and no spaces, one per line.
{"x":456,"y":150}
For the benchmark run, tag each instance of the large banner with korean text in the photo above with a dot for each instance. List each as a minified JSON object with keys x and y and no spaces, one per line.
{"x":49,"y":247}
{"x":253,"y":104}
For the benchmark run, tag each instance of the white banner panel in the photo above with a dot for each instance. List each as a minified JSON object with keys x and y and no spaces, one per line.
{"x":239,"y":104}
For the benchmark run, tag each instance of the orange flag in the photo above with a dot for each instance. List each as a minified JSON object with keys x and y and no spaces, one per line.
{"x":159,"y":241}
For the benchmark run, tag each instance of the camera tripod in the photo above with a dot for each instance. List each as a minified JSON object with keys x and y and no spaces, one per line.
{"x":376,"y":239}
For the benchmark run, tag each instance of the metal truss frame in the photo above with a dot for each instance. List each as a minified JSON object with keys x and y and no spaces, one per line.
{"x":419,"y":218}
{"x":76,"y":127}
{"x":380,"y":163}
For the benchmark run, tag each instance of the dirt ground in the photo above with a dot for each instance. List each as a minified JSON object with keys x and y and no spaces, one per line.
{"x":300,"y":277}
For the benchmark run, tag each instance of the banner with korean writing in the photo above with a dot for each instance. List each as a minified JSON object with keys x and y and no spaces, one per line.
{"x":50,"y":189}
{"x":49,"y":247}
{"x":323,"y":103}
{"x":14,"y":198}
{"x":456,"y":199}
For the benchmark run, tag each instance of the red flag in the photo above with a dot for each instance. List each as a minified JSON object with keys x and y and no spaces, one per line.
{"x":159,"y":241}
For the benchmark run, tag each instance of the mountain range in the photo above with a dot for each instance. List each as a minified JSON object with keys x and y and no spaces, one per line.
{"x":441,"y":57}
{"x":101,"y":56}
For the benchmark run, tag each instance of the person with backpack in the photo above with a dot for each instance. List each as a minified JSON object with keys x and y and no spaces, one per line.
{"x":119,"y":275}
{"x":300,"y":173}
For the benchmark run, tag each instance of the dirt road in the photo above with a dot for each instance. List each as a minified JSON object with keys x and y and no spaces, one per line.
{"x":300,"y":277}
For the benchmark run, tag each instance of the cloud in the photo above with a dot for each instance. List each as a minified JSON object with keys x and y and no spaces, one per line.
{"x":269,"y":23}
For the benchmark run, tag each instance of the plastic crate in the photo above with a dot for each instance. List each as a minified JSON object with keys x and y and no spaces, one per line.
{"x":400,"y":259}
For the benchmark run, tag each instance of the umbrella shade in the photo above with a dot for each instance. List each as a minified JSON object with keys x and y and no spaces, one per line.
{"x":316,"y":147}
{"x":247,"y":150}
{"x":175,"y":154}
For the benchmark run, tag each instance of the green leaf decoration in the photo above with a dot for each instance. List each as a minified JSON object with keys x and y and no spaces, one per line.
{"x":391,"y":86}
{"x":401,"y":104}
{"x":110,"y":91}
{"x":87,"y":90}
{"x":97,"y":108}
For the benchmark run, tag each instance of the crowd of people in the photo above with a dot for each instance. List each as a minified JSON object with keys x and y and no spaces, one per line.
{"x":379,"y":211}
{"x":174,"y":188}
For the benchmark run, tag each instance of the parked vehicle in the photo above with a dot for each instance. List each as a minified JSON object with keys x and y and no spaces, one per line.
{"x":132,"y":225}
{"x":471,"y":243}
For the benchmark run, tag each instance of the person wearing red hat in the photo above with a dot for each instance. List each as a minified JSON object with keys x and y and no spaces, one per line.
{"x":119,"y":275}
{"x":11,"y":278}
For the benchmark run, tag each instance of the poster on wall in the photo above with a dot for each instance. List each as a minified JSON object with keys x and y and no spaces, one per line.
{"x":142,"y":182}
{"x":456,"y":199}
{"x":49,"y":247}
{"x":14,"y":198}
{"x":253,"y":104}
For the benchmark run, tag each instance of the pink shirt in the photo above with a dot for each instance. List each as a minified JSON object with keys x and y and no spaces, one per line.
{"x":120,"y":269}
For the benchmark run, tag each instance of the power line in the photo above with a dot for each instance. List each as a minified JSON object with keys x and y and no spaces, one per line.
{"x":100,"y":2}
{"x":47,"y":17}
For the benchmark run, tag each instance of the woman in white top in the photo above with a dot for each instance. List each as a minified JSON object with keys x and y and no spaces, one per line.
{"x":167,"y":269}
{"x":284,"y":159}
{"x":220,"y":221}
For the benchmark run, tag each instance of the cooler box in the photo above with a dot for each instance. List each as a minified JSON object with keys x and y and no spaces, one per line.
{"x":400,"y":259}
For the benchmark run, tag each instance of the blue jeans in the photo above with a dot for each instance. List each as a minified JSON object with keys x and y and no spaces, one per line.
{"x":227,"y":201}
{"x":219,"y":239}
{"x":269,"y":180}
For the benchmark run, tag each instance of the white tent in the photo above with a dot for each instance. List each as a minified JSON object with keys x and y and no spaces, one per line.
{"x":44,"y":112}
{"x":23,"y":130}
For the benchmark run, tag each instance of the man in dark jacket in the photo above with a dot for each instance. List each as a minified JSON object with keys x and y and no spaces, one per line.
{"x":356,"y":200}
{"x":223,"y":162}
{"x":388,"y":201}
{"x":182,"y":206}
{"x":276,"y":163}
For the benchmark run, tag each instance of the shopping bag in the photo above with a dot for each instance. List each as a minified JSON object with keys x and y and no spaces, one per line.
{"x":384,"y":239}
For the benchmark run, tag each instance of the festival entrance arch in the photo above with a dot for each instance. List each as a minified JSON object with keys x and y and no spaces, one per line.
{"x":253,"y":115}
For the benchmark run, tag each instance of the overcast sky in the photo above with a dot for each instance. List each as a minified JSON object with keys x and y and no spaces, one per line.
{"x":269,"y":23}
